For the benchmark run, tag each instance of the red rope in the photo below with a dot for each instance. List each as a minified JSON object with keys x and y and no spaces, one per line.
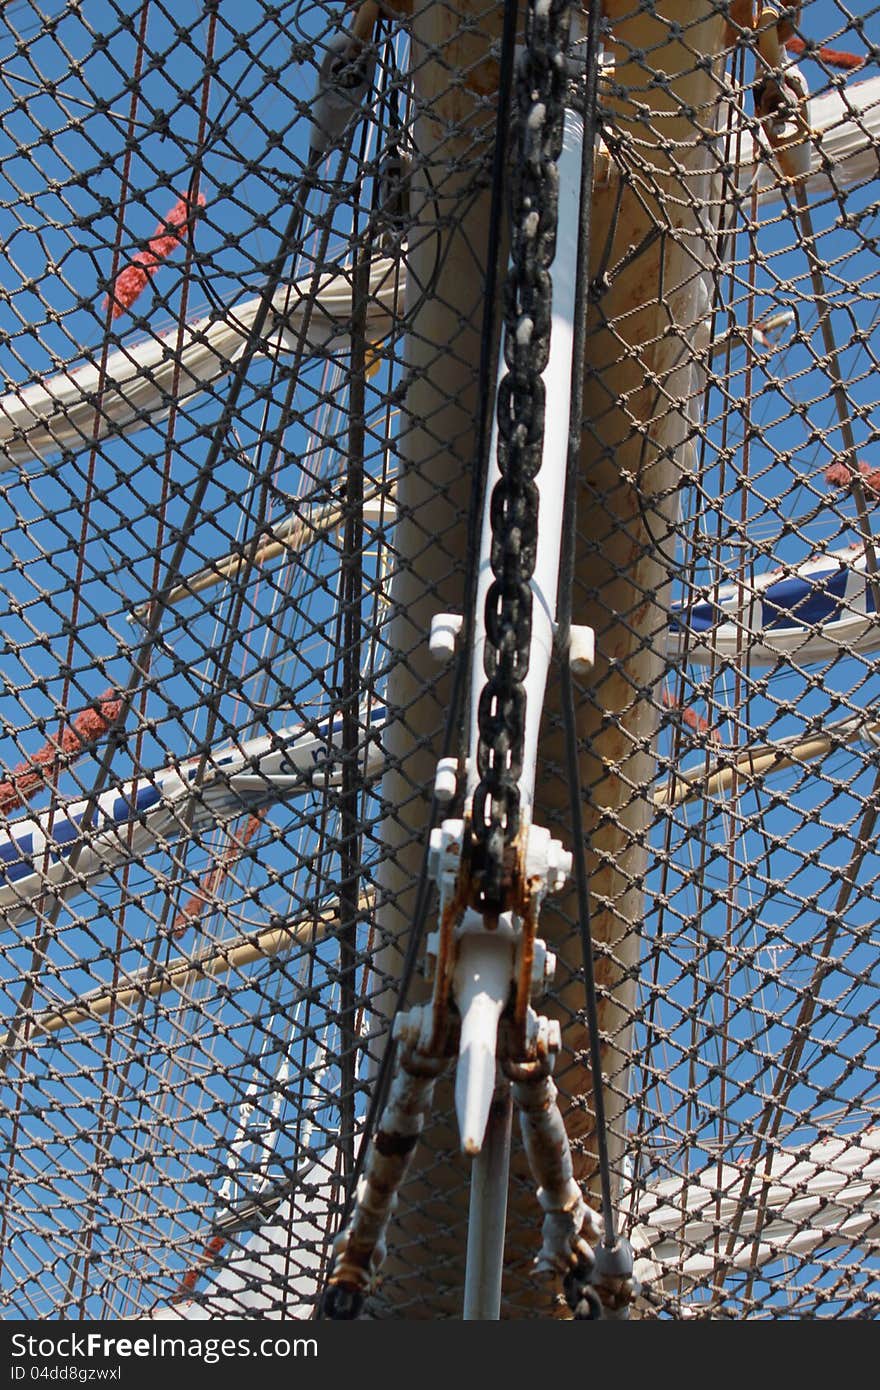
{"x":839,"y":474}
{"x":831,"y":57}
{"x":44,"y":768}
{"x":133,"y":280}
{"x":207,"y":1257}
{"x":694,"y":721}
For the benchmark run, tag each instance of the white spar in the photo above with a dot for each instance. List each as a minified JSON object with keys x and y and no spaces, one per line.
{"x":37,"y":421}
{"x":827,"y":1194}
{"x":143,"y":379}
{"x":137,"y":817}
{"x":816,"y":610}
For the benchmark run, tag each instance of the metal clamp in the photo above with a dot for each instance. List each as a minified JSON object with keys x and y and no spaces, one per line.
{"x":344,"y":78}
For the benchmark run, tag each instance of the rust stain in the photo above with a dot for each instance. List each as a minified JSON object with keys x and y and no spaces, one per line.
{"x":527,"y":959}
{"x":446,"y":958}
{"x":466,"y":52}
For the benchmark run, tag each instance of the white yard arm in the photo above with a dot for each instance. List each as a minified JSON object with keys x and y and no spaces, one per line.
{"x":756,"y":763}
{"x":284,"y":538}
{"x":824,"y":1195}
{"x":132,"y":820}
{"x":142,"y":380}
{"x":180,"y":975}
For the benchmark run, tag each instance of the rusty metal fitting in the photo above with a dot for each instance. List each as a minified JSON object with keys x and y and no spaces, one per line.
{"x":558,"y":1255}
{"x":527,"y":1072}
{"x":420,"y":1065}
{"x":543,"y":967}
{"x":416,"y":1030}
{"x":786,"y":126}
{"x":542,"y":1037}
{"x":359,"y":1249}
{"x":613,"y":1279}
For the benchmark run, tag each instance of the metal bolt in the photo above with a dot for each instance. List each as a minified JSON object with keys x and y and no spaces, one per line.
{"x":446,"y":780}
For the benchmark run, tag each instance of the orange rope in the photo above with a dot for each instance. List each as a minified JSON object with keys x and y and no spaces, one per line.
{"x":839,"y":475}
{"x":694,"y":721}
{"x":133,"y":280}
{"x":205,"y":895}
{"x":831,"y":57}
{"x":44,"y":768}
{"x":207,"y":1256}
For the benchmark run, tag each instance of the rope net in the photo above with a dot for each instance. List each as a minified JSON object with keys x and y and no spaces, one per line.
{"x":243,"y":312}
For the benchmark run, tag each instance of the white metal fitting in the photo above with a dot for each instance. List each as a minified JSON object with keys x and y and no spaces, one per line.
{"x":446,"y":780}
{"x":415,"y":1027}
{"x":547,"y":859}
{"x":581,"y":649}
{"x":444,"y":855}
{"x":432,"y":946}
{"x":543,"y":1035}
{"x":543,"y":966}
{"x":445,"y":628}
{"x":481,"y":987}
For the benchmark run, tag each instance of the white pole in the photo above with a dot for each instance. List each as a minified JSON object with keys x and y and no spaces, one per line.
{"x":479,"y":958}
{"x":487,"y":1218}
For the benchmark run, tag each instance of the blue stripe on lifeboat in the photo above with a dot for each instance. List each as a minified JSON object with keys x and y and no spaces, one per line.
{"x":804,"y":601}
{"x":145,"y":798}
{"x":16,"y":860}
{"x":700,"y":617}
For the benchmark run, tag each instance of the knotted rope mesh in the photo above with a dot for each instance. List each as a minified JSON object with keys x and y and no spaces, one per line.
{"x":237,"y":434}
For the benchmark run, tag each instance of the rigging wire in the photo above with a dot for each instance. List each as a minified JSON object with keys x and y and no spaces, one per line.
{"x":140,"y":663}
{"x":232,"y":618}
{"x":188,"y":1026}
{"x":40,"y":946}
{"x":724,"y":236}
{"x":756,"y":887}
{"x":741,"y":673}
{"x":320,"y":258}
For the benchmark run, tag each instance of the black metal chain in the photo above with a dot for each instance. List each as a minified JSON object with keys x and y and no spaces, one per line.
{"x":541,"y":84}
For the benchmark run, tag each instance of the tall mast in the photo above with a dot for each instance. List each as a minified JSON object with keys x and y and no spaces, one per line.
{"x":634,"y":448}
